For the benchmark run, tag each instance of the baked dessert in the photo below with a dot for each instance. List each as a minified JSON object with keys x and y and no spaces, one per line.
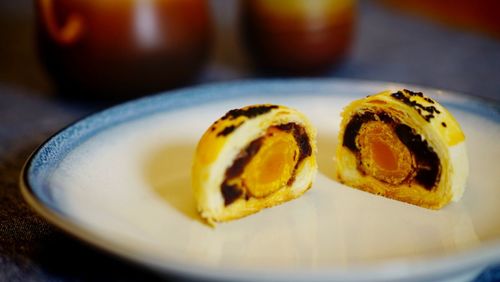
{"x":253,"y":158}
{"x":404,"y":146}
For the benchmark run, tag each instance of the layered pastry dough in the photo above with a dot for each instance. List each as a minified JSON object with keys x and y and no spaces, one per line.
{"x":253,"y":158}
{"x":405,"y":146}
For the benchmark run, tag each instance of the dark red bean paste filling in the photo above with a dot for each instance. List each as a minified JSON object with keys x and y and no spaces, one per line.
{"x":302,"y":140}
{"x":230,"y":192}
{"x":428,"y":166}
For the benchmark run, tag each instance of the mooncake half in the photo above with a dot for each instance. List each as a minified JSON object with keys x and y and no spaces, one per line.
{"x":253,"y":158}
{"x":404,"y":146}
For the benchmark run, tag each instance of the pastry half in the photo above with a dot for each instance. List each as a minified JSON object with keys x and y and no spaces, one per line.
{"x":405,"y":146}
{"x":253,"y":158}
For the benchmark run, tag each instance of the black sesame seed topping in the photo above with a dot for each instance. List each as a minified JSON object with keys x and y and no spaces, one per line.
{"x":411,"y":93}
{"x":429,"y":100}
{"x":249,"y":112}
{"x":227,"y":130}
{"x":426,"y":112}
{"x":428,"y":117}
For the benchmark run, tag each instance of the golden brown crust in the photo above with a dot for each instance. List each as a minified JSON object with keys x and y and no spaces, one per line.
{"x":425,"y":127}
{"x":225,"y":151}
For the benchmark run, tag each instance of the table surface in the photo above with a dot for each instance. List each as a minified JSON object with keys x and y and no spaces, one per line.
{"x":389,"y":46}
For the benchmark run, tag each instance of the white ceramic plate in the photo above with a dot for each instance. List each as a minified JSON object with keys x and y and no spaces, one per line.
{"x":120,"y":179}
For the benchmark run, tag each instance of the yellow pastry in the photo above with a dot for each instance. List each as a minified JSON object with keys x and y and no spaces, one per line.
{"x":405,"y":146}
{"x":253,"y":158}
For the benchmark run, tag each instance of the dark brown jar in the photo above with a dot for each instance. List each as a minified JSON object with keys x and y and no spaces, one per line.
{"x":297,"y":37}
{"x":122,"y":48}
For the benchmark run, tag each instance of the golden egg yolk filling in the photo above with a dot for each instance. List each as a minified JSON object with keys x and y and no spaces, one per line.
{"x":272,"y":167}
{"x":382,"y":154}
{"x":267,"y":164}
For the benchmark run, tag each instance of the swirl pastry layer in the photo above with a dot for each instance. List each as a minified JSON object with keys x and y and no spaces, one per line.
{"x":404,"y":146}
{"x":253,"y":158}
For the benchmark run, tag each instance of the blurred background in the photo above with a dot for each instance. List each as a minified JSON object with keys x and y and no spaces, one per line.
{"x":63,"y":59}
{"x":135,"y":47}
